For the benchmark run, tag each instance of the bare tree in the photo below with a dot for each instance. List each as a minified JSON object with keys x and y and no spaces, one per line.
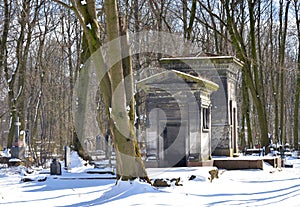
{"x":129,"y":162}
{"x":15,"y":74}
{"x":297,"y":91}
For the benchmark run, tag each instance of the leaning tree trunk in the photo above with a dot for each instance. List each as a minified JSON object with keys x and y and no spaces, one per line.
{"x":130,"y":164}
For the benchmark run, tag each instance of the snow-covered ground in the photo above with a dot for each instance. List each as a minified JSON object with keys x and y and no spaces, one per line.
{"x":268,"y":187}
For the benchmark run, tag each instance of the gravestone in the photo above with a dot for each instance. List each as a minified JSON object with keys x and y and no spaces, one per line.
{"x":67,"y":158}
{"x":55,"y":167}
{"x":18,"y":150}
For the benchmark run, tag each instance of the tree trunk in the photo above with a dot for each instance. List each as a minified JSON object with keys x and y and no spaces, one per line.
{"x":130,"y":164}
{"x":250,"y":69}
{"x":246,"y":113}
{"x":297,"y":91}
{"x":282,"y":45}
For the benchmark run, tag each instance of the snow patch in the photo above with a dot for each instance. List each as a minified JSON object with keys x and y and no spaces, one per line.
{"x":14,"y":160}
{"x":76,"y":161}
{"x":279,"y":187}
{"x":125,"y":189}
{"x":5,"y":153}
{"x":89,"y":26}
{"x":78,"y":165}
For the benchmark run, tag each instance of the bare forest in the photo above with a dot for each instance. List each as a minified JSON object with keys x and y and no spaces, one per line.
{"x":44,"y":45}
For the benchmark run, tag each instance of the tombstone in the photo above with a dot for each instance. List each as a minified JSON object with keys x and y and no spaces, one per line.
{"x":88,"y":145}
{"x":55,"y":167}
{"x":67,"y":158}
{"x":108,"y":146}
{"x":18,"y":150}
{"x":99,"y":139}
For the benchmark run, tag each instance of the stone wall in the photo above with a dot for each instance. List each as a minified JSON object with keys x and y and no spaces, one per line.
{"x":222,"y":71}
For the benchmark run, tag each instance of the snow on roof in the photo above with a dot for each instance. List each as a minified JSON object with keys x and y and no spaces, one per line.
{"x":14,"y":160}
{"x":204,"y":58}
{"x":204,"y":82}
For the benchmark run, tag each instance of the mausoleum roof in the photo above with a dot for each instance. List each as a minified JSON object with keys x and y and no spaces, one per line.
{"x":170,"y":75}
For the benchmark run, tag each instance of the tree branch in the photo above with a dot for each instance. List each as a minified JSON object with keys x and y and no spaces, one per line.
{"x":63,"y":4}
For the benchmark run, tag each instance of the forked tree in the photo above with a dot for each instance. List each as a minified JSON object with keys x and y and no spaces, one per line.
{"x":114,"y":90}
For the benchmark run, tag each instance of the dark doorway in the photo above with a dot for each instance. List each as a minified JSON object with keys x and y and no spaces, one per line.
{"x":235,"y":148}
{"x":174,"y":144}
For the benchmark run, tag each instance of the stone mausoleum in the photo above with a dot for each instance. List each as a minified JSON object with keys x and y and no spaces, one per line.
{"x":191,"y":111}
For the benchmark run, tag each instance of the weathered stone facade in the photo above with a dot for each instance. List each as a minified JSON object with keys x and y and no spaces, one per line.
{"x":222,"y":70}
{"x":178,"y":116}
